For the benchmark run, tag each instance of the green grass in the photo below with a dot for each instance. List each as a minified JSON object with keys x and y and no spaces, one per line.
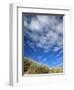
{"x":32,"y":67}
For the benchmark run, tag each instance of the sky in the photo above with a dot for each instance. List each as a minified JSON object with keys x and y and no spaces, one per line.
{"x":43,"y":39}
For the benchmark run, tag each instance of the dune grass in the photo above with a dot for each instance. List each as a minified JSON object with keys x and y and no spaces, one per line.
{"x":32,"y":67}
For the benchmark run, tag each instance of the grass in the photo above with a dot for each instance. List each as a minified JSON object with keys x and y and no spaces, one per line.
{"x":32,"y":67}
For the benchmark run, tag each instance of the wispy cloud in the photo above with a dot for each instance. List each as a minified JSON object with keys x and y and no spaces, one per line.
{"x":49,"y":29}
{"x":45,"y":32}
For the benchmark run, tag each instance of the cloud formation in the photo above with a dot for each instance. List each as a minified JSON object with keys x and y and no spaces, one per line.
{"x":44,"y":32}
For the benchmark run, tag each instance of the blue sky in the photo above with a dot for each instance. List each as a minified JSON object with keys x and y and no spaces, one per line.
{"x":43,"y":39}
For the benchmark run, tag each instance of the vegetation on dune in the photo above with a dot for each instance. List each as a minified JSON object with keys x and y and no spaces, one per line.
{"x":32,"y":67}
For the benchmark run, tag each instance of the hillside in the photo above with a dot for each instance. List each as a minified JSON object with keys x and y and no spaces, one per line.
{"x":32,"y":67}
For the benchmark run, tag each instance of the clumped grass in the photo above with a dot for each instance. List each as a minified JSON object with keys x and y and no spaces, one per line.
{"x":32,"y":67}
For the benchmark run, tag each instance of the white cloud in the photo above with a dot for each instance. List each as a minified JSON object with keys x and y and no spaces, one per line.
{"x":43,"y":19}
{"x":59,"y":28}
{"x":60,"y":52}
{"x":25,"y":24}
{"x":35,"y":25}
{"x":56,"y":49}
{"x":51,"y":37}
